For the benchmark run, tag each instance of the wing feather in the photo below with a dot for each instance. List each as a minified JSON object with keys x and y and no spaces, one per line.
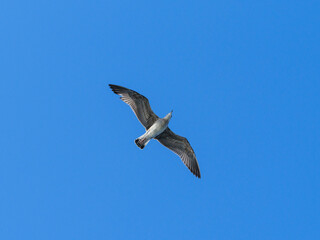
{"x":138,"y":103}
{"x":180,"y":146}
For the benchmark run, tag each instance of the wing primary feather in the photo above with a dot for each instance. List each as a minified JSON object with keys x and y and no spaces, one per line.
{"x":180,"y":146}
{"x":138,"y":103}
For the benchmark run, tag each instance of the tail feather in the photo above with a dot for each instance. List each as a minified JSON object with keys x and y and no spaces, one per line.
{"x":141,"y":142}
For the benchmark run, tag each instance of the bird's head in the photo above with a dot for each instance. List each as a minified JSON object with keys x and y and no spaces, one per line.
{"x":169,"y":115}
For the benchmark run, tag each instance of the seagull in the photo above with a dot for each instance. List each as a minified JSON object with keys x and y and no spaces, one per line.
{"x":157,"y":128}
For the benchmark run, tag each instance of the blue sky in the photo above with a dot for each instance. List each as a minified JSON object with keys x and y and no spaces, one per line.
{"x":242,"y":78}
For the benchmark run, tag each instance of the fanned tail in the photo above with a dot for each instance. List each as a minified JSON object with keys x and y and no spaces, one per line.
{"x":141,"y":142}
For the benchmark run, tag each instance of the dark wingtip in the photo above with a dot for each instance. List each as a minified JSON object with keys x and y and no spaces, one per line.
{"x":114,"y":88}
{"x":111,"y":86}
{"x":196,"y":173}
{"x":117,"y":89}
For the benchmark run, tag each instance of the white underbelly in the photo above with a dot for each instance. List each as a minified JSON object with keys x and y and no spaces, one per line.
{"x":157,"y":128}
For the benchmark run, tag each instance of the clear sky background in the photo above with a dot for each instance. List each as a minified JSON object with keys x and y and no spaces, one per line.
{"x":243,"y":78}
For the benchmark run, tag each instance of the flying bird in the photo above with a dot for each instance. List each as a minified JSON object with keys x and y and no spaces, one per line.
{"x":157,"y":128}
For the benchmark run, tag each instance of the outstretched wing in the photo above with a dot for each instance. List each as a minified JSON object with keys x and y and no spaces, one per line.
{"x":180,"y":146}
{"x":138,"y":103}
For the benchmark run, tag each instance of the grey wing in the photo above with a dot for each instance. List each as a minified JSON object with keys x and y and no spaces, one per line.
{"x":138,"y":103}
{"x":182,"y":148}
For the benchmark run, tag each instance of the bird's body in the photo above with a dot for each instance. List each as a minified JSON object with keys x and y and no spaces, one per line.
{"x":157,"y":128}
